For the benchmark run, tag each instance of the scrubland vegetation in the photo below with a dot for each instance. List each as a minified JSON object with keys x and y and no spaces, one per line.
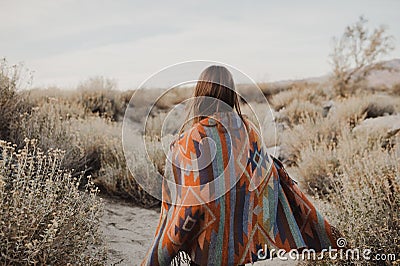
{"x":59,"y":148}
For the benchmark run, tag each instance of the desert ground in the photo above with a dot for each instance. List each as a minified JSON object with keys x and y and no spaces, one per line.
{"x":129,"y":231}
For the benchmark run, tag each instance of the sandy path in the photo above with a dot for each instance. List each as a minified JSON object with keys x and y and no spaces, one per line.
{"x":129,"y":231}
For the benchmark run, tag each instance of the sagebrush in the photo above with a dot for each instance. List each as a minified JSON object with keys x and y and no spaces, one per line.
{"x":44,"y":218}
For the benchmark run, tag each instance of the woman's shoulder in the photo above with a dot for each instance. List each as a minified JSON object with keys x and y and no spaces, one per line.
{"x":202,"y":128}
{"x":195,"y":132}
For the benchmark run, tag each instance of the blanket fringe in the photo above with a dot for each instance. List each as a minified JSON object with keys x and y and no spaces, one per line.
{"x":182,"y":258}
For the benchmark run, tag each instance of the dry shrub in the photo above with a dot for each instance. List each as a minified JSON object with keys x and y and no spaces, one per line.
{"x":44,"y":218}
{"x":104,"y":100}
{"x":366,"y":204}
{"x":345,"y":112}
{"x":38,"y":96}
{"x":298,"y":111}
{"x":50,"y":124}
{"x":103,"y":138}
{"x":356,"y":54}
{"x":273,"y":88}
{"x":108,"y":104}
{"x":355,"y":109}
{"x":301,"y":102}
{"x":356,"y":179}
{"x":270,"y":89}
{"x":172,"y":97}
{"x":396,"y":89}
{"x":311,"y":132}
{"x":99,"y":95}
{"x":11,"y":105}
{"x":164,"y":122}
{"x":318,"y":168}
{"x":313,"y":137}
{"x":376,"y":109}
{"x":283,"y":99}
{"x":301,"y":92}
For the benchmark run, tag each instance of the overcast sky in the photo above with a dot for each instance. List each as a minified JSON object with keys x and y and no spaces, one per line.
{"x":68,"y":41}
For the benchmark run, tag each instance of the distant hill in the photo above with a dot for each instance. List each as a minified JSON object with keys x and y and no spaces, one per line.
{"x":386,"y":78}
{"x":376,"y":79}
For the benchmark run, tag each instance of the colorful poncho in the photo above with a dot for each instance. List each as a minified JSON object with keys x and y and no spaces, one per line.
{"x":223,"y":213}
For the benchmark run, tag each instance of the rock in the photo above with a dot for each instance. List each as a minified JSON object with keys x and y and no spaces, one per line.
{"x":389,"y":125}
{"x":326,"y":107}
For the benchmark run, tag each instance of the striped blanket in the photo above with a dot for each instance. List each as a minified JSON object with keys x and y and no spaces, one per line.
{"x":224,"y":212}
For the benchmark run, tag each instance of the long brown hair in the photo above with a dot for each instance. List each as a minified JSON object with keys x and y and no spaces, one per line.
{"x":214,"y":86}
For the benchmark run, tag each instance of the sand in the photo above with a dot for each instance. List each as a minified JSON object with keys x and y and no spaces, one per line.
{"x":129,"y":231}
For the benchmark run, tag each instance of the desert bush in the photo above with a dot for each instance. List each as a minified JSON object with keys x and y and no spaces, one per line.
{"x":378,"y":108}
{"x":355,"y":109}
{"x":316,"y":131}
{"x":102,"y":100}
{"x":107,"y":104}
{"x":38,"y":96}
{"x":318,"y":167}
{"x":356,"y":55}
{"x":270,"y":89}
{"x":102,"y":156}
{"x":11,"y":105}
{"x":396,"y":89}
{"x":171,"y":97}
{"x":298,"y":111}
{"x":355,"y":179}
{"x":99,"y":95}
{"x":311,"y":93}
{"x":49,"y":123}
{"x":98,"y":83}
{"x":44,"y":218}
{"x":283,"y":99}
{"x":273,"y":88}
{"x":300,"y":102}
{"x":367,"y":198}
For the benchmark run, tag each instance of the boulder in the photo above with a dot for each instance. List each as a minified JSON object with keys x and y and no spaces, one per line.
{"x":388,"y":125}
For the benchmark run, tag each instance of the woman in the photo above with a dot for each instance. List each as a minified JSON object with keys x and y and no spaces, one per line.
{"x":231,"y":202}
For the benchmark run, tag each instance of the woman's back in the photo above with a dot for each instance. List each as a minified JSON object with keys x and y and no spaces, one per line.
{"x":225,"y":200}
{"x":227,"y":203}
